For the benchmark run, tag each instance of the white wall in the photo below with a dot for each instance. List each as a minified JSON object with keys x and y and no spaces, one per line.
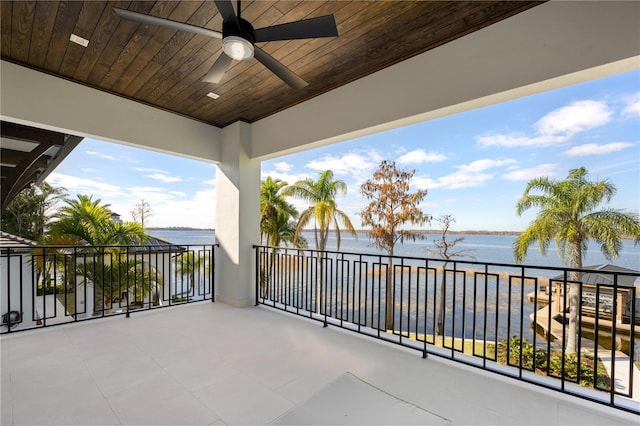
{"x":33,"y":98}
{"x":549,"y":46}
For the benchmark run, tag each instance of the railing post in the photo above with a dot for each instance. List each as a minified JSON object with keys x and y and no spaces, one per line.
{"x":324,"y":285}
{"x":426,"y":293}
{"x":257,"y":273}
{"x":614,"y":329}
{"x":212,"y":273}
{"x":127,"y":315}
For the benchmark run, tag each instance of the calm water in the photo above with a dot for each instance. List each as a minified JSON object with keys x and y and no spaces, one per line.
{"x":483,"y":248}
{"x":478,"y":247}
{"x":489,"y":248}
{"x":196,"y":236}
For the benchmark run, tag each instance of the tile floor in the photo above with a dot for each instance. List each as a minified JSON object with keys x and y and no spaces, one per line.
{"x":210,"y":363}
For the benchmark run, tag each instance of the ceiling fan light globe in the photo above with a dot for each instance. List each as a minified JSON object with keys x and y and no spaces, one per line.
{"x":237,"y":48}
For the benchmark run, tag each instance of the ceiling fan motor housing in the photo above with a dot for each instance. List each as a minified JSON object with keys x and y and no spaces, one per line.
{"x":244,"y":29}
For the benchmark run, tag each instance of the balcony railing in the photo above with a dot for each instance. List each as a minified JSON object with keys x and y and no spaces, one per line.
{"x":48,"y":285}
{"x":514,"y":320}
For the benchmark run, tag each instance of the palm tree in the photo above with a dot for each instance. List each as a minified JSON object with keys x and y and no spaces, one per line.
{"x":568,"y":215}
{"x":275,"y":213}
{"x":323,"y":211}
{"x":191,"y":262}
{"x":28,"y":213}
{"x":86,"y":222}
{"x":113,"y":275}
{"x":277,"y":224}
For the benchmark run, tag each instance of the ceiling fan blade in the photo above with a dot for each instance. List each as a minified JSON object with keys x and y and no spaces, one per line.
{"x":322,"y":26}
{"x":166,"y":23}
{"x":226,"y":10}
{"x":218,"y":69}
{"x":284,"y":73}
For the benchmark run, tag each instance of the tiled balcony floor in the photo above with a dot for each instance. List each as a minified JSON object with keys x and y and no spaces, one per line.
{"x":210,"y":363}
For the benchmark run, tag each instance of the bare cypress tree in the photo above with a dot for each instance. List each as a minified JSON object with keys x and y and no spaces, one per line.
{"x":391,"y":207}
{"x":445,"y":250}
{"x":141,"y":212}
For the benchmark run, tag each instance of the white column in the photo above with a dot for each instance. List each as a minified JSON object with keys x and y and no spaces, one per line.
{"x":237,"y":216}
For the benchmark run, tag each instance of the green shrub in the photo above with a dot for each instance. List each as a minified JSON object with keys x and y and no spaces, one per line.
{"x":532,"y":357}
{"x":537,"y":360}
{"x":586,"y":369}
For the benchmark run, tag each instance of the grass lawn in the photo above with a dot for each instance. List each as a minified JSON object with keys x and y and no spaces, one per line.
{"x":468,"y":347}
{"x":70,"y":304}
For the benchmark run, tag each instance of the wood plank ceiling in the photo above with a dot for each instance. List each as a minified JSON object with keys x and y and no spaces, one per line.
{"x":164,"y":68}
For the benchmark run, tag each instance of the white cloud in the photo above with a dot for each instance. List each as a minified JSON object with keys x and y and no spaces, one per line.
{"x":484,"y":164}
{"x":633,"y":106}
{"x":197,"y":211}
{"x":159,"y":174}
{"x":290,"y":179}
{"x":517,"y":140}
{"x":150,"y":170}
{"x":574,"y":118}
{"x":152,"y":194}
{"x":541,"y":170}
{"x":77,"y":185}
{"x":101,"y":155}
{"x":467,"y":176}
{"x":456,"y":180}
{"x":558,"y":126}
{"x":212,"y":182}
{"x":424,"y":182}
{"x":358,"y":165}
{"x":398,"y":149}
{"x":345,"y":165}
{"x":595,"y":149}
{"x":164,"y":178}
{"x":419,"y":156}
{"x":283,"y":166}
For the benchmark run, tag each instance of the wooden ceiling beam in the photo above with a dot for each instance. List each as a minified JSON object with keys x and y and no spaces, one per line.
{"x":13,"y":157}
{"x":19,"y":178}
{"x":31,"y":134}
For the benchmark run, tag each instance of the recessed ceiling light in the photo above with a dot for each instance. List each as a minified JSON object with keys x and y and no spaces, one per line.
{"x":213,"y":95}
{"x":79,"y":40}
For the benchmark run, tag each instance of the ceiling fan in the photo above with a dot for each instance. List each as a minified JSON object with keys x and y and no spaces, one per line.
{"x":239,"y":38}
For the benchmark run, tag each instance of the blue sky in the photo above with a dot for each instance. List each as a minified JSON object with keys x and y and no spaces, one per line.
{"x":475,"y":165}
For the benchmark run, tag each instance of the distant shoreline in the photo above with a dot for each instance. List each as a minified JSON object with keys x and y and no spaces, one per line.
{"x":439,"y":231}
{"x":420,"y":231}
{"x":417,"y":231}
{"x":177,"y":228}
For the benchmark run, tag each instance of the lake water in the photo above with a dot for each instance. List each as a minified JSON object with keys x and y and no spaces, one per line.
{"x":482,"y":248}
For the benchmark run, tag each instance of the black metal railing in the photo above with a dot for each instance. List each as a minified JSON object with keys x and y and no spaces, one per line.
{"x":48,"y":285}
{"x":515,"y":320}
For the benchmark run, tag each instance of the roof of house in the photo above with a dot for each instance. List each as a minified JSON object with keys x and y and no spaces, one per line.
{"x":153,"y":244}
{"x":158,"y":245}
{"x":13,"y":241}
{"x":605,"y":275}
